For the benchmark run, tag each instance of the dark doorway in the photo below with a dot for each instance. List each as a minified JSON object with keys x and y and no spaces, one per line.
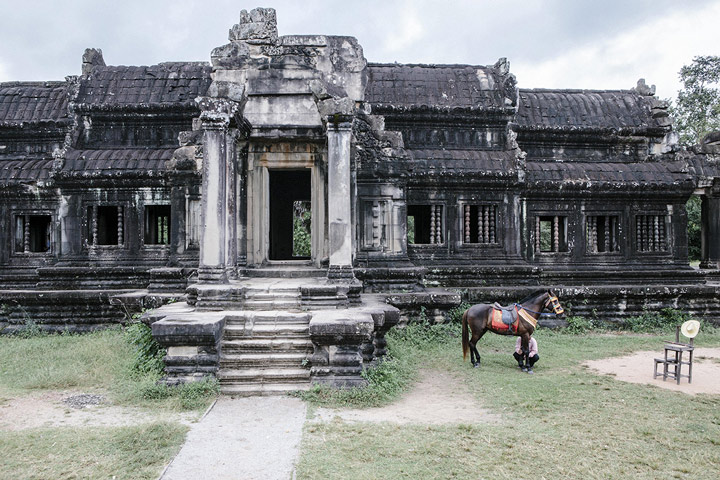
{"x":288,"y":189}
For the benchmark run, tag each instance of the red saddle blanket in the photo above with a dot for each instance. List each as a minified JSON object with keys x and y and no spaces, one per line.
{"x":510,"y":322}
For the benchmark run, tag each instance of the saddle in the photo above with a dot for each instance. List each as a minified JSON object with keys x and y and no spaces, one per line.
{"x":505,"y":318}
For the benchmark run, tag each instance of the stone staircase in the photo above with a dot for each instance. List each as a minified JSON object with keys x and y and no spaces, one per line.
{"x":265,"y":352}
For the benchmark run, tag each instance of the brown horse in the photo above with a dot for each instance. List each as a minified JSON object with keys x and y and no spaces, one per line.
{"x":525,"y":313}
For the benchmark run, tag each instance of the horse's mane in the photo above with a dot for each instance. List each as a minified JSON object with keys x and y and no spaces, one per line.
{"x":533,"y":296}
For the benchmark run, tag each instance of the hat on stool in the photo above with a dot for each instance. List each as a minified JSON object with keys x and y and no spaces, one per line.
{"x":690,"y":328}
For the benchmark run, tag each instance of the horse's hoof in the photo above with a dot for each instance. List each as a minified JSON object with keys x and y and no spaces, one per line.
{"x":476,"y":365}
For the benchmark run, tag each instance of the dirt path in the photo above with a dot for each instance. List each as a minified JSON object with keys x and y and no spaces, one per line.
{"x":75,"y":409}
{"x":638,"y":368}
{"x":437,"y":399}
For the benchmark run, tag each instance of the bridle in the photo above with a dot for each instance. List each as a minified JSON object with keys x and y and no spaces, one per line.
{"x":553,"y":300}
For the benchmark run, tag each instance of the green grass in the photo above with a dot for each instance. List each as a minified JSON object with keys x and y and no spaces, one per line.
{"x":138,"y":452}
{"x":97,"y":362}
{"x":103,"y":362}
{"x":562,"y":422}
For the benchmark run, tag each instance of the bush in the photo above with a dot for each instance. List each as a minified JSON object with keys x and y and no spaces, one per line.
{"x":149,"y":354}
{"x":454,"y":315}
{"x":578,"y":325}
{"x":654,"y":322}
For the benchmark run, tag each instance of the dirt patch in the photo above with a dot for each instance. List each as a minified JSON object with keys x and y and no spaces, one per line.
{"x":437,"y":399}
{"x":75,"y":409}
{"x":638,"y":368}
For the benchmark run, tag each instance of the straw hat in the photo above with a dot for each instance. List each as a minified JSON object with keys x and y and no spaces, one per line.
{"x":690,"y":328}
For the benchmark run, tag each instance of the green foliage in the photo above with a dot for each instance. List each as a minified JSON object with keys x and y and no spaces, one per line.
{"x":148,"y":358}
{"x":132,"y":452}
{"x":653,"y":322}
{"x":694,"y":209}
{"x":454,"y":315}
{"x":578,"y":325}
{"x":190,"y":396}
{"x":697,"y":108}
{"x":301,"y":229}
{"x":394,"y":374}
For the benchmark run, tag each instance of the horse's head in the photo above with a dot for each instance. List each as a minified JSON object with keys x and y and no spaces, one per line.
{"x":552,"y":301}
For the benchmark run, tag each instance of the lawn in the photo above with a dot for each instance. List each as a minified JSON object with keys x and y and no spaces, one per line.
{"x":98,"y":363}
{"x":562,"y":422}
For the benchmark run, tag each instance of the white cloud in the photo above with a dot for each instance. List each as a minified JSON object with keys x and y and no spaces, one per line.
{"x":408,"y":29}
{"x":654,"y":51}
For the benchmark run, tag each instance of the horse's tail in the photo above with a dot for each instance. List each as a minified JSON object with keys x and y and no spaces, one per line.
{"x":465,"y":336}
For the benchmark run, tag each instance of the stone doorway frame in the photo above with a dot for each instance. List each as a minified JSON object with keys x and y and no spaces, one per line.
{"x":258,"y":204}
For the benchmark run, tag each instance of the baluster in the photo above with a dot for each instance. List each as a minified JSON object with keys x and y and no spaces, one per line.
{"x":94,"y":225}
{"x":493,"y":220}
{"x":120,"y":229}
{"x":26,"y":234}
{"x":607,"y":233}
{"x":432,"y":223}
{"x":663,"y":245}
{"x":439,"y":225}
{"x":486,"y":226}
{"x":556,"y":234}
{"x":537,"y":234}
{"x":657,"y":232}
{"x":467,"y":223}
{"x":480,"y":223}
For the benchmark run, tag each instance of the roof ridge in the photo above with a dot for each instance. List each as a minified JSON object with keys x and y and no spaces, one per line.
{"x":429,"y":65}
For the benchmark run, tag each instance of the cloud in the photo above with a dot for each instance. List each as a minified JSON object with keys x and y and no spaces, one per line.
{"x":654,"y":51}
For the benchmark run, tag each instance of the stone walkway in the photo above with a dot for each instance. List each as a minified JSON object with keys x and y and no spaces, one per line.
{"x":245,"y":438}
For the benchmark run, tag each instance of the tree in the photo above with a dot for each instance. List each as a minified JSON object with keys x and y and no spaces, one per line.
{"x":697,"y":109}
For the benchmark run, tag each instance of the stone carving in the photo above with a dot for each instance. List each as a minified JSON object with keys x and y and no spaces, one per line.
{"x":257,"y":26}
{"x":93,"y":57}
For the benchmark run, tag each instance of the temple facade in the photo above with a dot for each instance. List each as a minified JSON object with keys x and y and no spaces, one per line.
{"x":294,"y":157}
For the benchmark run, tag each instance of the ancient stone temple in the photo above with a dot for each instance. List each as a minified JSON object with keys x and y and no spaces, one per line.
{"x":297,"y":201}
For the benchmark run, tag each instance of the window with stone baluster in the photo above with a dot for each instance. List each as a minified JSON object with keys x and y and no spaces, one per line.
{"x":551,"y":234}
{"x":425,"y":224}
{"x":650,"y":233}
{"x":480,"y":224}
{"x":601,"y":233}
{"x":33,"y":233}
{"x":105,"y":225}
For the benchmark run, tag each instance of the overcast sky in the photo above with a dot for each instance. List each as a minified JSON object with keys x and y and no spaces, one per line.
{"x":602,"y":44}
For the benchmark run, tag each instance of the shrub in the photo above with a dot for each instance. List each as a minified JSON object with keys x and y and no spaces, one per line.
{"x":578,"y":325}
{"x":454,"y":315}
{"x":666,"y":320}
{"x":149,"y":354}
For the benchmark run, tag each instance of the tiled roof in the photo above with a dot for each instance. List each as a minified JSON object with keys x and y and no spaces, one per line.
{"x":436,"y":86}
{"x":601,"y":173}
{"x":25,"y":171}
{"x":435,"y":161}
{"x":120,"y":160}
{"x":33,"y":102}
{"x":162,"y":84}
{"x":586,"y":109}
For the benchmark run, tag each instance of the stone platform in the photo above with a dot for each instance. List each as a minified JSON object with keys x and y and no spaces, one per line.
{"x":264,"y":336}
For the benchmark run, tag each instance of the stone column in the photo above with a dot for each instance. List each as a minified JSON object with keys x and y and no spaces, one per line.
{"x":339,"y":200}
{"x":710,"y":231}
{"x":215,"y":118}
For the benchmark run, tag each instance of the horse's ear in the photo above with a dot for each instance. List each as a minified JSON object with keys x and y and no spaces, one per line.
{"x":552,"y":294}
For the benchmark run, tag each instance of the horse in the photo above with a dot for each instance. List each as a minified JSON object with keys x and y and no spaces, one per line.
{"x":523,"y":314}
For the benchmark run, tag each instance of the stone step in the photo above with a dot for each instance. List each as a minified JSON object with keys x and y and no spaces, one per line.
{"x":267,"y":330}
{"x":269,"y":316}
{"x":250,"y":344}
{"x":287,"y":271}
{"x":274,"y":304}
{"x":264,"y":375}
{"x":262,"y":389}
{"x":276,"y":359}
